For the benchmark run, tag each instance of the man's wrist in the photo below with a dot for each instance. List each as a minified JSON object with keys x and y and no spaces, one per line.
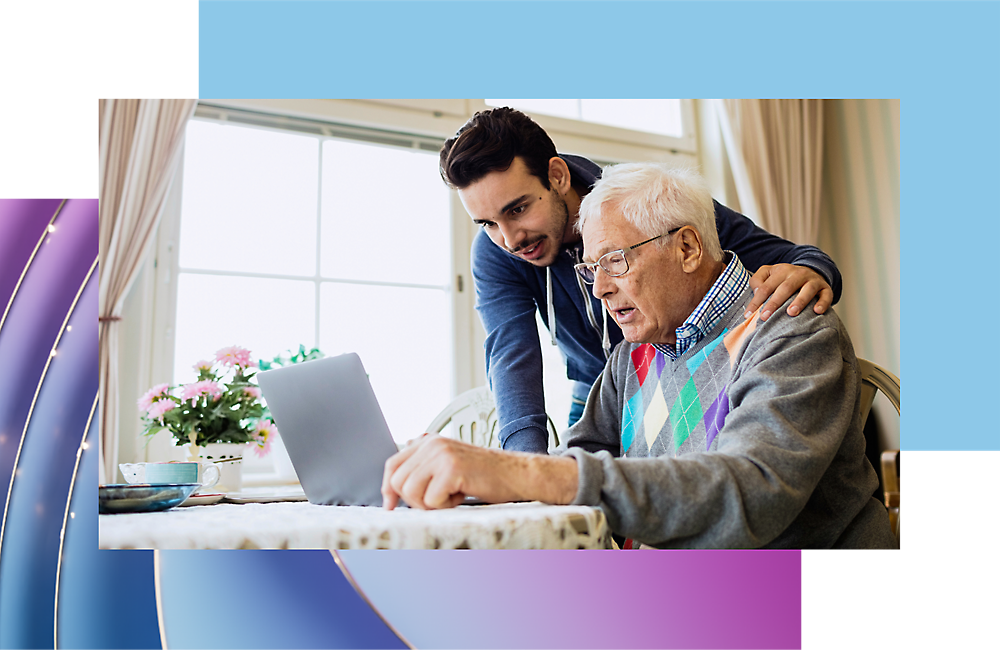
{"x":549,"y":479}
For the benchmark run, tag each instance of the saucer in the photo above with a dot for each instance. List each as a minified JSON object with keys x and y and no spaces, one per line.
{"x":203,"y":499}
{"x":251,"y":497}
{"x":142,"y":497}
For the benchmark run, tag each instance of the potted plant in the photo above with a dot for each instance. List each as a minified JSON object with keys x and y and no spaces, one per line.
{"x":215,"y":417}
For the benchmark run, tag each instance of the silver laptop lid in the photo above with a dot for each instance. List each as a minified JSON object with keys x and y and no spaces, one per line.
{"x":332,"y":427}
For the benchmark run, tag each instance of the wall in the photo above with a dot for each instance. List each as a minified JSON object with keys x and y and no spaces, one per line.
{"x":859,"y":228}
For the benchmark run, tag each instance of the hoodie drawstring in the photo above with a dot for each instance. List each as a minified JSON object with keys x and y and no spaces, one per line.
{"x":606,"y":343}
{"x":548,"y":300}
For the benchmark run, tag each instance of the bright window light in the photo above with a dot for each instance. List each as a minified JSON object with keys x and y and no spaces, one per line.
{"x":404,"y":342}
{"x":385,"y":215}
{"x":255,"y":204}
{"x":249,"y":200}
{"x":264,"y":315}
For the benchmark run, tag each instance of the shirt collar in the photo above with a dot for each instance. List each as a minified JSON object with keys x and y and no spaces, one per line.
{"x":723,"y":294}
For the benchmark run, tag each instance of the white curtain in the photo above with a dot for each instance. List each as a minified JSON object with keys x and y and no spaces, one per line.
{"x":140,"y":145}
{"x":775,"y":150}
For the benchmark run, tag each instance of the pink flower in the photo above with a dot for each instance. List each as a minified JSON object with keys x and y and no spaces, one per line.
{"x":235,"y":356}
{"x":263,"y":436}
{"x":147,"y":400}
{"x":160,"y":407}
{"x":203,"y":365}
{"x":252,"y":391}
{"x":194,"y":391}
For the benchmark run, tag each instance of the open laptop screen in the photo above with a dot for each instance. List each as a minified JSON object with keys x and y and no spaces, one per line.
{"x":332,"y":427}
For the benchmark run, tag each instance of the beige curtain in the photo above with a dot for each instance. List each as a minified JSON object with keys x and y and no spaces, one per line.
{"x":140,"y":145}
{"x":860,"y":230}
{"x":775,"y":150}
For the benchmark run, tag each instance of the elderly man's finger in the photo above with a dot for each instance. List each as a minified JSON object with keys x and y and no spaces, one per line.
{"x":413,"y":441}
{"x":390,"y":496}
{"x":441,"y":493}
{"x":413,"y":488}
{"x":410,"y":478}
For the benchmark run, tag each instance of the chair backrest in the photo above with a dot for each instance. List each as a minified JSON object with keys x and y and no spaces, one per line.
{"x":473,"y":416}
{"x":873,"y":379}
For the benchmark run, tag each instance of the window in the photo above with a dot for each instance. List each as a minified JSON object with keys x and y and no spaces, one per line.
{"x":290,"y":237}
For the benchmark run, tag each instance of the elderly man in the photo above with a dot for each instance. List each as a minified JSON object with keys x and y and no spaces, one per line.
{"x":706,"y":429}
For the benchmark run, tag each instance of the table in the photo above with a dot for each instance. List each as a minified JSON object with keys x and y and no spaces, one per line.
{"x":303,"y":525}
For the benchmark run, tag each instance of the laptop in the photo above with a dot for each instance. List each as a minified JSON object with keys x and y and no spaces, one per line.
{"x":332,"y":427}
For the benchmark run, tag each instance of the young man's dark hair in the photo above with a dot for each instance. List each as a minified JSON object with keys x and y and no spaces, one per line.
{"x":489,"y":142}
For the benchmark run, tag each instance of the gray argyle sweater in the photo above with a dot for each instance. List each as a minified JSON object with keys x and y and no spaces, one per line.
{"x":750,"y":439}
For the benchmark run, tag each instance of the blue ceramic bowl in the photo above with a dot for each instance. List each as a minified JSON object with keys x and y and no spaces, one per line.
{"x":143,"y":497}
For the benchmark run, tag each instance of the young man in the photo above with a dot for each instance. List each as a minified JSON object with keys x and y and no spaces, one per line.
{"x":706,"y":429}
{"x":527,"y":197}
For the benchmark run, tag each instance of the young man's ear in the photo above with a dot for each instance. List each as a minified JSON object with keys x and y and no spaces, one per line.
{"x":559,"y":177}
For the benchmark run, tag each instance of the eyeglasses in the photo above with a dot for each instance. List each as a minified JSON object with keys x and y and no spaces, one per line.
{"x":614,"y":263}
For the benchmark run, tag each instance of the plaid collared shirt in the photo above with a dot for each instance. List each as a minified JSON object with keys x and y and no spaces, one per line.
{"x":720,"y":297}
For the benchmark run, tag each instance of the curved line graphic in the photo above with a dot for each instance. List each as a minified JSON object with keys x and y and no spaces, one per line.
{"x":62,"y":533}
{"x":45,"y":233}
{"x":38,"y":389}
{"x":347,"y":574}
{"x":159,"y":600}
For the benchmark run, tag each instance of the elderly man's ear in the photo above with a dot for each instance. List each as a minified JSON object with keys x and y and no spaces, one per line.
{"x":687,"y":242}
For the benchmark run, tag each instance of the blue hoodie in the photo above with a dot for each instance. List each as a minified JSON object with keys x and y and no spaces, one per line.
{"x":509,"y":290}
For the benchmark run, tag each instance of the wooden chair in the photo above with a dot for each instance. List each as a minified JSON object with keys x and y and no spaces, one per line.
{"x":873,"y":379}
{"x":473,"y":415}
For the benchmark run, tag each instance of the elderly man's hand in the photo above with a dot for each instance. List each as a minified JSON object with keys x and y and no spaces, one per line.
{"x":780,"y":281}
{"x":435,"y":472}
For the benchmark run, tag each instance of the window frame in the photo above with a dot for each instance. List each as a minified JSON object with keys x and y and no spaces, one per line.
{"x":687,"y":143}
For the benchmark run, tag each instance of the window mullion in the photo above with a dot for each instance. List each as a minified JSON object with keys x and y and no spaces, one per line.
{"x":317,"y":283}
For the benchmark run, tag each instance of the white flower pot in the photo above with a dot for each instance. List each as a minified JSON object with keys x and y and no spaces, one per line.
{"x":229,"y":456}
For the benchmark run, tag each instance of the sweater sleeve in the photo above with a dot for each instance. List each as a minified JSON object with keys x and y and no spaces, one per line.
{"x":599,"y":426}
{"x":513,"y":354}
{"x":792,"y":400}
{"x":757,"y":247}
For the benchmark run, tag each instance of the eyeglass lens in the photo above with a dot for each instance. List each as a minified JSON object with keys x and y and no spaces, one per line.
{"x":613,"y":263}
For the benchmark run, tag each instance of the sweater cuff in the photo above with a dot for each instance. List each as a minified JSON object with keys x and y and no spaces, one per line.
{"x":530,"y":439}
{"x":591,"y":476}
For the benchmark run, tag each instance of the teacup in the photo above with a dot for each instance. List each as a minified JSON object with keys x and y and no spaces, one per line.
{"x":172,"y":472}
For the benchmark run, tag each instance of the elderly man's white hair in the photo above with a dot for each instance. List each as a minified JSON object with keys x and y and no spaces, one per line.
{"x":655,"y":198}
